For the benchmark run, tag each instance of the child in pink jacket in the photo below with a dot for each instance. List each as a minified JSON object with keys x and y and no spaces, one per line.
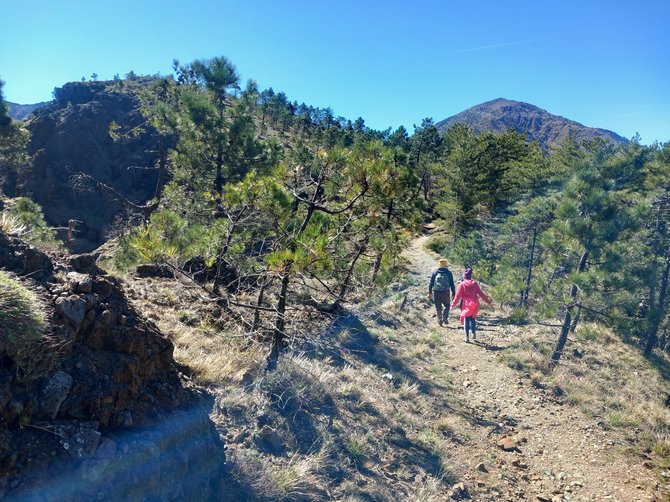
{"x":469,"y":291}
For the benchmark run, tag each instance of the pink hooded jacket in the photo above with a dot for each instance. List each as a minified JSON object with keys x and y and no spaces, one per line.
{"x":469,"y":291}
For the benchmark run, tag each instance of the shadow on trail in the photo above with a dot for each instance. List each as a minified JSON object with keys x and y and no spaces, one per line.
{"x":662,"y":367}
{"x":413,"y":453}
{"x":487,"y":346}
{"x":357,"y":341}
{"x":490,"y":321}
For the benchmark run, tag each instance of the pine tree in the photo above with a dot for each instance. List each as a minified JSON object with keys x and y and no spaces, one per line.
{"x":590,"y":217}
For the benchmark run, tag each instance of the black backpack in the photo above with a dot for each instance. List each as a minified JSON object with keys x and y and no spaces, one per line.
{"x":442,"y":282}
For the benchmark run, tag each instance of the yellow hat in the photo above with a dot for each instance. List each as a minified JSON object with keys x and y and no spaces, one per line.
{"x":442,"y":262}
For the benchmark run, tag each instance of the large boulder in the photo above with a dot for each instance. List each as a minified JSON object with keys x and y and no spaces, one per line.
{"x":19,"y":257}
{"x":109,"y":416}
{"x":72,"y":135}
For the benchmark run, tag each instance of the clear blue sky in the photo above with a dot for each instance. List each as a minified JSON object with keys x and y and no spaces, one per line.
{"x":604,"y":63}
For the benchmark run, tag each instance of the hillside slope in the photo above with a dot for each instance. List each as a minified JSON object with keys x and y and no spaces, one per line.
{"x":72,"y":135}
{"x":21,"y":112}
{"x":386,"y":405}
{"x":502,"y":114}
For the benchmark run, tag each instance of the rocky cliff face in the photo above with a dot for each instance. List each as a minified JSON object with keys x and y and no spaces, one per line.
{"x":109,"y":418}
{"x":535,"y":123}
{"x":71,"y":135}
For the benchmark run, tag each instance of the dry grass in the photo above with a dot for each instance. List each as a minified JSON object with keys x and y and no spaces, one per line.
{"x":301,"y":478}
{"x":215,"y":356}
{"x":365,"y":417}
{"x":431,"y":490}
{"x":408,"y":391}
{"x":11,"y":225}
{"x":214,"y":359}
{"x":603,"y":376}
{"x":22,"y":329}
{"x":448,"y":424}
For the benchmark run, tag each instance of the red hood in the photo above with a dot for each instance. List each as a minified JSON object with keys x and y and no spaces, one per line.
{"x":468,"y":287}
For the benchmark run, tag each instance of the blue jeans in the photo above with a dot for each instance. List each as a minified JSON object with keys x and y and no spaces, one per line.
{"x":470,"y":326}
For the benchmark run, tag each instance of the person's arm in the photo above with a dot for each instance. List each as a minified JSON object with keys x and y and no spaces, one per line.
{"x":457,"y":296}
{"x":451,"y":284}
{"x":432,"y":282}
{"x":484,"y":297}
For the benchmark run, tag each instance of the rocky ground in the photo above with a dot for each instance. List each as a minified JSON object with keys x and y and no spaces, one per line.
{"x":521,"y":442}
{"x":391,"y":406}
{"x":102,"y":413}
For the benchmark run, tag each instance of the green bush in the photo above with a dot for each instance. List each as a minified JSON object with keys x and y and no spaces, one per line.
{"x":26,"y":216}
{"x":22,"y":324}
{"x":439,"y":244}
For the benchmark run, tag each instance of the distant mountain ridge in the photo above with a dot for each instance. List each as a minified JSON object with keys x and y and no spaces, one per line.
{"x":502,"y":114}
{"x":21,"y":112}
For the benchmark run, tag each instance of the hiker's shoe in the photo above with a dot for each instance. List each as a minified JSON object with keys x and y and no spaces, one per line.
{"x":445,"y":321}
{"x":466,"y":339}
{"x":439,"y":322}
{"x":474,"y":336}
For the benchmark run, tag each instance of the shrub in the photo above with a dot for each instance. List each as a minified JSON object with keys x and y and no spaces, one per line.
{"x":22,"y":325}
{"x":355,"y":448}
{"x":10,"y":225}
{"x":24,"y":218}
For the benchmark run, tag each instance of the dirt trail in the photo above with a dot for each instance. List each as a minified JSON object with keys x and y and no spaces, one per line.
{"x":559,"y":453}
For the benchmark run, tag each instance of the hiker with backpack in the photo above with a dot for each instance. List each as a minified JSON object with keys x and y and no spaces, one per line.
{"x":440,"y":289}
{"x":469,"y":292}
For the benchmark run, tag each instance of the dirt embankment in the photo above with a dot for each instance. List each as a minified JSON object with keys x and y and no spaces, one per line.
{"x":97,"y":410}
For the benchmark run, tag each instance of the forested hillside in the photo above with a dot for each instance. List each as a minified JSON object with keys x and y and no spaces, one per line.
{"x":534,"y":123}
{"x":264,"y":229}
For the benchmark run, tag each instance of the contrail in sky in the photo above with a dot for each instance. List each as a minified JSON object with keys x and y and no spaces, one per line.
{"x":496,"y":46}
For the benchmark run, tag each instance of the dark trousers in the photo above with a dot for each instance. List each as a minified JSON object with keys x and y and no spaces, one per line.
{"x":442,"y":299}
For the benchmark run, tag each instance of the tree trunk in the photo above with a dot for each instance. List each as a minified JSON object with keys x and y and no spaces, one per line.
{"x":421,"y":184}
{"x":279,"y":335}
{"x":567,"y":319}
{"x":426,"y":185}
{"x":347,"y":280}
{"x":162,"y":168}
{"x":656,"y":312}
{"x":377,"y":266}
{"x":652,"y":286}
{"x":280,"y":322}
{"x":259,"y":302}
{"x":575,"y":321}
{"x":378,"y":260}
{"x":529,"y":273}
{"x":218,"y":181}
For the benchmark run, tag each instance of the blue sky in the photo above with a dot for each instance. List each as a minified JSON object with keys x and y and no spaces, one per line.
{"x":602,"y":63}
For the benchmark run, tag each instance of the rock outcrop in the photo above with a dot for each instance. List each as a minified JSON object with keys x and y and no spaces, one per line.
{"x":72,"y":135}
{"x":104,"y":414}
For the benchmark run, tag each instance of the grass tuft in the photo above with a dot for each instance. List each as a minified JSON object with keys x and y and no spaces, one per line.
{"x":22,"y":325}
{"x":302,"y":478}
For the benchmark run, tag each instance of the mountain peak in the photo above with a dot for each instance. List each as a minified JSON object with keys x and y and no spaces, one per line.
{"x":501,"y":114}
